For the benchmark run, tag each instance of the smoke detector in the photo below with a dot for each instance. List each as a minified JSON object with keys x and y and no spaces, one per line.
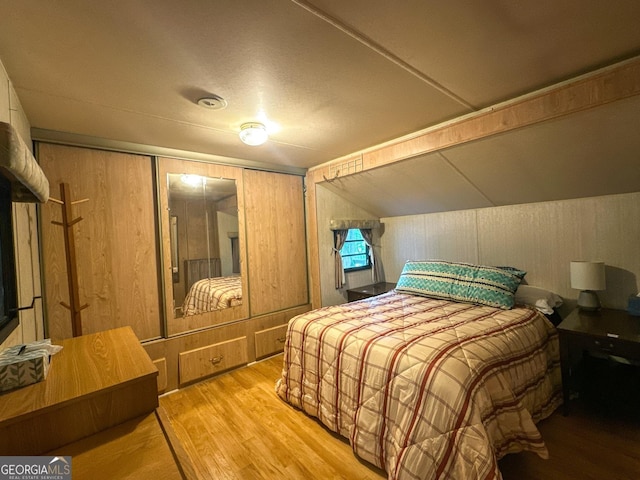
{"x":213,"y":102}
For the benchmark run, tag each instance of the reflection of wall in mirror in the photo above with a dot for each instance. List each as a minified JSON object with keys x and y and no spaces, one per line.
{"x":200,"y":243}
{"x":226,"y":224}
{"x":173,"y":235}
{"x":192,"y":236}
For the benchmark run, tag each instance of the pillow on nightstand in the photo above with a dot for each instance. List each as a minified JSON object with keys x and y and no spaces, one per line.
{"x":544,"y":300}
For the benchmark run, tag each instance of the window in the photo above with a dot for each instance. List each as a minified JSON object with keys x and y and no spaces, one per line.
{"x":355,"y":252}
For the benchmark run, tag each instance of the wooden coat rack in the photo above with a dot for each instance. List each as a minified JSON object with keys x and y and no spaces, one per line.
{"x":70,"y":251}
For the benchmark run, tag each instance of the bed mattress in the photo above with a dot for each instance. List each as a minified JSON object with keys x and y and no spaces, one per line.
{"x":425,"y":388}
{"x":211,"y":294}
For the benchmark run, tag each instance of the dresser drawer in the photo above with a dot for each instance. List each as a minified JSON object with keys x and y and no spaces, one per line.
{"x":205,"y":361}
{"x":270,"y":340}
{"x":604,"y":346}
{"x":615,"y":346}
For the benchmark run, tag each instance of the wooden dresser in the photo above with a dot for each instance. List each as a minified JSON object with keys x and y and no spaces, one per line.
{"x":96,"y":382}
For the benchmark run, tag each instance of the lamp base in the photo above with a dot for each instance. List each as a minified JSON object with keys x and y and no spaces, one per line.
{"x":588,"y":300}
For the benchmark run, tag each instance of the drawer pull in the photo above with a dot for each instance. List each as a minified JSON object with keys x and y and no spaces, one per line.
{"x":604,"y":347}
{"x":281,"y":339}
{"x":216,"y":360}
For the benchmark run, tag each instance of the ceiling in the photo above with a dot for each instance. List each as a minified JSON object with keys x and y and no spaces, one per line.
{"x":593,"y":153}
{"x":328,"y":78}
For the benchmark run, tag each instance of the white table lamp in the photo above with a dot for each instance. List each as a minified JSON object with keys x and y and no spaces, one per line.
{"x":588,"y":277}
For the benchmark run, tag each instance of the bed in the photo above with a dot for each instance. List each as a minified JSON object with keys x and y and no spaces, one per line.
{"x":199,"y":268}
{"x":427,"y":387}
{"x":209,"y":294}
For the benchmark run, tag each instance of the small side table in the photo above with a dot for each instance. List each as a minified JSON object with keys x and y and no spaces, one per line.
{"x":603,"y":332}
{"x":367,"y":291}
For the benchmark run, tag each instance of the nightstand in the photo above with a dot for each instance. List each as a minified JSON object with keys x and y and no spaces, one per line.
{"x":601,"y":333}
{"x":367,"y":291}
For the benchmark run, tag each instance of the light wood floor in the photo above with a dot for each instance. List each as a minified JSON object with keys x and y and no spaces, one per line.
{"x":235,"y":427}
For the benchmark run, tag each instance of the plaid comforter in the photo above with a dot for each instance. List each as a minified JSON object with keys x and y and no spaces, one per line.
{"x":425,"y":388}
{"x":211,"y":294}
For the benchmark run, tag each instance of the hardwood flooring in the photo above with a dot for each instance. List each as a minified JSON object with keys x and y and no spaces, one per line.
{"x":235,"y":427}
{"x":133,"y":450}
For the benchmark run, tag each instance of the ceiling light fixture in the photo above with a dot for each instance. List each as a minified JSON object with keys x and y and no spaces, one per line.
{"x":253,"y":133}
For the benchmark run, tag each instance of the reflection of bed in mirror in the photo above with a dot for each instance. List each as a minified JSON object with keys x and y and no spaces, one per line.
{"x":199,"y":268}
{"x":207,"y":290}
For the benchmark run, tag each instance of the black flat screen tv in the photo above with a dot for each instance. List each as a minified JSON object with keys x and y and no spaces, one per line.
{"x":8,"y":283}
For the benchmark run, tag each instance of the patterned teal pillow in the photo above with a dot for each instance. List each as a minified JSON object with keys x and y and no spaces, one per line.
{"x":463,"y":282}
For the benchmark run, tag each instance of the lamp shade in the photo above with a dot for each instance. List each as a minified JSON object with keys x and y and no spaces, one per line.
{"x":587,"y":275}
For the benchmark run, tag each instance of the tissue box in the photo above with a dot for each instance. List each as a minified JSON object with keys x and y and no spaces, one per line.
{"x":24,"y":365}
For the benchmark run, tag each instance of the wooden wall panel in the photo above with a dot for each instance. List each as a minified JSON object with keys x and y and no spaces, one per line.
{"x":161,"y":365}
{"x":116,"y":246}
{"x":331,"y":206}
{"x":5,"y":112}
{"x":444,"y":236}
{"x":276,"y":244}
{"x":313,"y":249}
{"x":545,"y":237}
{"x":617,"y":243}
{"x":28,"y":271}
{"x":541,"y":238}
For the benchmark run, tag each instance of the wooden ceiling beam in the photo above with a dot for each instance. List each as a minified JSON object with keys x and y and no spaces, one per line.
{"x":592,"y":90}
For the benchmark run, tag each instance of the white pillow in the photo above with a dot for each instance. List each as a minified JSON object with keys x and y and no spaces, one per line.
{"x":544,"y":300}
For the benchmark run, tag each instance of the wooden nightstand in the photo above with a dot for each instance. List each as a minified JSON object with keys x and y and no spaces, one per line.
{"x":604,"y":332}
{"x":367,"y":291}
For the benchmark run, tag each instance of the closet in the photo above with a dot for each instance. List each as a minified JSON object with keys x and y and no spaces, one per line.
{"x":115,"y":242}
{"x":150,"y":230}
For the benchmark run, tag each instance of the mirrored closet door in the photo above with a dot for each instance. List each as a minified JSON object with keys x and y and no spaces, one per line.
{"x":202,"y":231}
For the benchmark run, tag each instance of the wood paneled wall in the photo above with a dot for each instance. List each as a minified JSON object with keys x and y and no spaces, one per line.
{"x":192,"y":238}
{"x":274,"y":212}
{"x":25,"y":232}
{"x":330,"y":206}
{"x":541,"y":238}
{"x":118,"y":261}
{"x":28,"y":272}
{"x":116,"y":246}
{"x":116,"y":242}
